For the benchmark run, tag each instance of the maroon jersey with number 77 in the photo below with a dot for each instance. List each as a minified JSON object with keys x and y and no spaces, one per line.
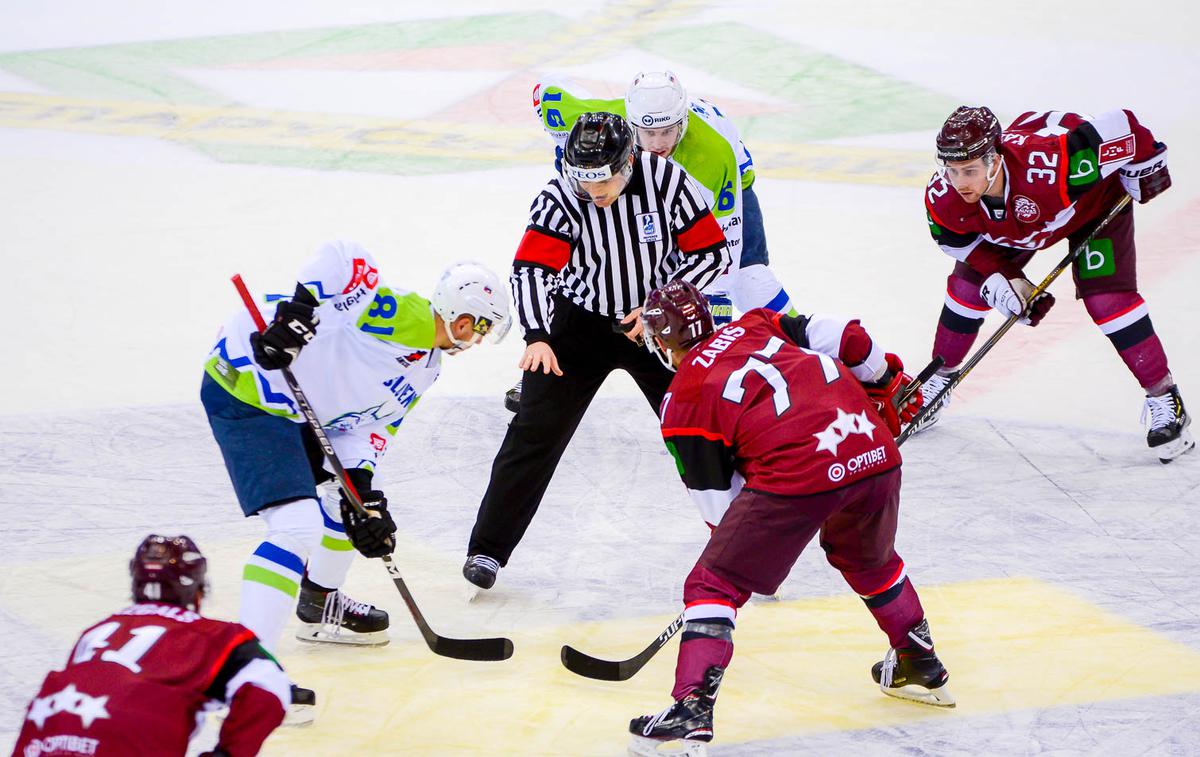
{"x":766,"y":402}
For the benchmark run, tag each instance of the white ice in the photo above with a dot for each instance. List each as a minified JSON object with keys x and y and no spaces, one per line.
{"x":117,"y":253}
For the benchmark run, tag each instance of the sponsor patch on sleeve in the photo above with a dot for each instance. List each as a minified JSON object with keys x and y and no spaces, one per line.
{"x":1121,"y":148}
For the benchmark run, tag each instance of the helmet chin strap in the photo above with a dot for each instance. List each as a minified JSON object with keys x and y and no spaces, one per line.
{"x":991,"y":177}
{"x":458,"y":344}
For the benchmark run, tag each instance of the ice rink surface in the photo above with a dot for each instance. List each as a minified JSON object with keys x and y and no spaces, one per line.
{"x":149,"y":151}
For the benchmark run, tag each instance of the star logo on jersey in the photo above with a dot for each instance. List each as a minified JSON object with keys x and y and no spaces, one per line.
{"x":1025,"y":209}
{"x":841,"y":429}
{"x":410,"y":358}
{"x":70,"y":700}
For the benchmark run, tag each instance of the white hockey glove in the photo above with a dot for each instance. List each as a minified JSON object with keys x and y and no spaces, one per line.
{"x":1011,"y":297}
{"x":1146,"y":180}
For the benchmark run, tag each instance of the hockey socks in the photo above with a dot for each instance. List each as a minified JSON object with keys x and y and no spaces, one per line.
{"x":272,"y":575}
{"x":331,"y":560}
{"x":897,"y":609}
{"x":707,"y":641}
{"x":1125,"y":320}
{"x":958,"y":326}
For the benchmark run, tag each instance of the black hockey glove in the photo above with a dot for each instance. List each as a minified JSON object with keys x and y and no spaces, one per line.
{"x":372,"y":534}
{"x":294,"y":326}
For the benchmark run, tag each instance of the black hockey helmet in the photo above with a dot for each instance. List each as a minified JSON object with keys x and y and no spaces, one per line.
{"x":676,"y":314}
{"x":168,"y":569}
{"x":970,"y":132}
{"x":598,"y":148}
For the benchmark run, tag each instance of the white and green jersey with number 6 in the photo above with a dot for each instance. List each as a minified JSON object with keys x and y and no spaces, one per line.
{"x":711,"y":151}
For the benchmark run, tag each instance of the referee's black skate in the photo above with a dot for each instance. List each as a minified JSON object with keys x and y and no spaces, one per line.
{"x":481,"y":570}
{"x":914,"y":671}
{"x":333,"y":617}
{"x":1169,"y":436}
{"x":681,"y":729}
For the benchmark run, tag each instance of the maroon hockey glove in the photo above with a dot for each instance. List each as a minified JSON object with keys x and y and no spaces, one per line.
{"x":1038,"y":308}
{"x":1146,"y":180}
{"x":885,"y":395}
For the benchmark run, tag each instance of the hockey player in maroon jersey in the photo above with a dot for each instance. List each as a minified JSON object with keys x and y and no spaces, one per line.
{"x":777,"y":441}
{"x":1003,"y":195}
{"x":138,"y":682}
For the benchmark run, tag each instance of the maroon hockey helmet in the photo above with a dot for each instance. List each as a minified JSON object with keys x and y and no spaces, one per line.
{"x":168,"y":569}
{"x":678,"y":315}
{"x":970,"y":132}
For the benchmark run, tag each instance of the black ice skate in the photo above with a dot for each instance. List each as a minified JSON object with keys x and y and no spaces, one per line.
{"x":1169,"y":436}
{"x":303,"y":709}
{"x":929,"y":390}
{"x":335,"y":618}
{"x":512,"y":398}
{"x":481,"y":570}
{"x":914,"y":671}
{"x":681,"y":729}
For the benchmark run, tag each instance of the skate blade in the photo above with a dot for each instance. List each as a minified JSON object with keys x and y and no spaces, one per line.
{"x":1171,"y":450}
{"x":299,"y":715}
{"x":939,"y":697}
{"x":315,"y":633}
{"x":640,"y":746}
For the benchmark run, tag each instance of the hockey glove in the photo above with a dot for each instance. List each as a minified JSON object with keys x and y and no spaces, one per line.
{"x":371,"y":534}
{"x":1011,"y":297}
{"x":1146,"y":180}
{"x":885,"y":395}
{"x":294,"y":326}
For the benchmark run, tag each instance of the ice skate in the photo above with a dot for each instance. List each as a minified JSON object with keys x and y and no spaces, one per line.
{"x":303,"y":709}
{"x":929,"y":390}
{"x":1169,"y":436}
{"x":914,"y":671}
{"x":481,"y":570}
{"x":684,"y":728}
{"x":512,"y":398}
{"x":335,"y":618}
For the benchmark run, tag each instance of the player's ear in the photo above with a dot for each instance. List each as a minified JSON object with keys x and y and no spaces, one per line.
{"x":463,"y":325}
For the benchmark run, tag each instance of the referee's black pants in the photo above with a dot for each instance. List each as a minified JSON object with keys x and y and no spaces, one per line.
{"x":588,"y":349}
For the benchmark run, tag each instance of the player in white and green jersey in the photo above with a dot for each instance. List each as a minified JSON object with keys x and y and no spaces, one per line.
{"x":699,"y":137}
{"x":365,"y":353}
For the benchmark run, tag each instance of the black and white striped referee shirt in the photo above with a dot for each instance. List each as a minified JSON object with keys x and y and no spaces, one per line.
{"x":607,"y":260}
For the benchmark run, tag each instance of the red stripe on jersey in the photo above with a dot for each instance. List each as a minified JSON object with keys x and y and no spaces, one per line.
{"x":1126,"y":311}
{"x":1063,"y":171}
{"x":712,"y":436}
{"x":543,"y":249}
{"x":245,"y":635}
{"x":705,"y":232}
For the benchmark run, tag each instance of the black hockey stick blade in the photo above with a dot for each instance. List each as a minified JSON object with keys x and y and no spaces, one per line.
{"x":477,"y":650}
{"x":615,"y":670}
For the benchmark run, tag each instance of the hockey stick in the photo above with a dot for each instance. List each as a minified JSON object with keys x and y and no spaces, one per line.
{"x":622,"y":670}
{"x":957,"y":377}
{"x":611,"y":670}
{"x":483,"y":650}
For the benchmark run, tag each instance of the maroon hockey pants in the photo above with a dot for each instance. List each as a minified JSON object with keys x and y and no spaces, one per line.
{"x":1105,"y":279}
{"x":759,"y":540}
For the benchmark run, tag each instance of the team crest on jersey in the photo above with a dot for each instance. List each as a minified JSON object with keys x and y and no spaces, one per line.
{"x":649,"y":229}
{"x":1025,"y":209}
{"x":363,"y":274}
{"x":1117,"y":149}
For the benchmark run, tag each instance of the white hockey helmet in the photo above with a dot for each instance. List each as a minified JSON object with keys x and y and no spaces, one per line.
{"x":469,"y":288}
{"x":656,"y":100}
